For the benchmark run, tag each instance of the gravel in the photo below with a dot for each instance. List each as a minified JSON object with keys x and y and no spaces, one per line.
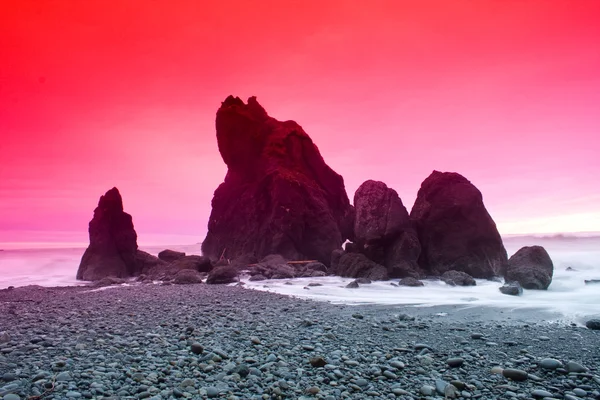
{"x":224,"y":342}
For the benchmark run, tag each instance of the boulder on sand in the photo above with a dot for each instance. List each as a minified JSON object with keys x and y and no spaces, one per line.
{"x":223,"y":274}
{"x":411,"y":282}
{"x":198,"y":263}
{"x":187,"y":277}
{"x":357,"y":265}
{"x":279,"y":196}
{"x":511,"y":289}
{"x":458,"y":278}
{"x":531,"y":266}
{"x":454,"y":228}
{"x":170,"y":255}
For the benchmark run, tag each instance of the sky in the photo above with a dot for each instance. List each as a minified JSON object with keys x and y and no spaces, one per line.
{"x":96,"y":94}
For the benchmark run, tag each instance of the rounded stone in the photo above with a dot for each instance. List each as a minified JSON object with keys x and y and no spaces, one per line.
{"x":197,"y":348}
{"x":550,"y":363}
{"x":455,"y":362}
{"x":514,"y":374}
{"x":212,"y":392}
{"x":593,"y":324}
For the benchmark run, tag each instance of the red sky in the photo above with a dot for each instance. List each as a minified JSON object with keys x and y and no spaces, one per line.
{"x":96,"y":94}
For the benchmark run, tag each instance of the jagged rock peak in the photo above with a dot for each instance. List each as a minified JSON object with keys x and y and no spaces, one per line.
{"x":111,"y":201}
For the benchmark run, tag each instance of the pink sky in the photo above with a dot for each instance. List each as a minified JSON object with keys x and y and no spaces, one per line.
{"x":96,"y":94}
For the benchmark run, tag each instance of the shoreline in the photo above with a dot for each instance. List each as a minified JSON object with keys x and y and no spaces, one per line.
{"x":451,"y":312}
{"x":226,"y":342}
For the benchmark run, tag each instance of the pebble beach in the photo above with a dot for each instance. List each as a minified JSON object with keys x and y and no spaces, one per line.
{"x":227,"y":342}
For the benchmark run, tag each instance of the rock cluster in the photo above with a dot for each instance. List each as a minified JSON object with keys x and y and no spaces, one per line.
{"x":282,"y":212}
{"x":113,"y":255}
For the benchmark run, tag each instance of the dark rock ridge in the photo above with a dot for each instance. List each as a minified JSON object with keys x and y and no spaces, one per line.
{"x":383,"y":231}
{"x":531,"y":267}
{"x":279,"y":196}
{"x":113,"y":242}
{"x":454,"y":228}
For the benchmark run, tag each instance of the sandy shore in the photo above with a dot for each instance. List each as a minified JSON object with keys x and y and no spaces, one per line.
{"x":201,"y":341}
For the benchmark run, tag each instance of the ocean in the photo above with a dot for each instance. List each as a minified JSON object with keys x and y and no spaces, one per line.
{"x":568,"y":295}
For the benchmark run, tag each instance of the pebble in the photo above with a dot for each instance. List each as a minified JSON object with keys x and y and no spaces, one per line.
{"x":550,"y":363}
{"x":593,"y":324}
{"x":572,"y":366}
{"x":455,"y":362}
{"x":427,"y":390}
{"x":514,"y":374}
{"x":212,"y":392}
{"x":197,"y":348}
{"x":306,"y":350}
{"x":540,"y":394}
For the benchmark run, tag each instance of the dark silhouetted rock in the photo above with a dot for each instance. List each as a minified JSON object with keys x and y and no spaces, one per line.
{"x":316,"y":266}
{"x":352,"y":285}
{"x":109,"y":281}
{"x":279,"y":196}
{"x":222,"y":275}
{"x":383,"y":230}
{"x":113,"y":242}
{"x":198,"y":263}
{"x":152,"y":266}
{"x":335,"y":259}
{"x":356,"y":265}
{"x":410,"y":282}
{"x":258,"y":277}
{"x":350,"y":247}
{"x":592,"y":281}
{"x":406,"y":269}
{"x":511,"y":289}
{"x":170,"y":255}
{"x":532,"y":267}
{"x":593,"y":324}
{"x":458,"y":278}
{"x":363,"y":281}
{"x":380,"y":214}
{"x":455,"y":230}
{"x":273,"y":266}
{"x":243,"y":261}
{"x":187,"y":277}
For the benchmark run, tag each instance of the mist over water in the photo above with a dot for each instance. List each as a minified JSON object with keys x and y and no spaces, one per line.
{"x":568,"y":294}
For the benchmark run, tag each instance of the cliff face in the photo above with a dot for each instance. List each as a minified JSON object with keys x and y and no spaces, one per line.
{"x":279,"y":196}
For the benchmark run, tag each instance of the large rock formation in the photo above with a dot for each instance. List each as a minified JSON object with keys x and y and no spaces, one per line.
{"x":383,"y":230}
{"x":113,"y":241}
{"x":455,"y":230}
{"x":279,"y":196}
{"x":531,"y":267}
{"x":113,"y":250}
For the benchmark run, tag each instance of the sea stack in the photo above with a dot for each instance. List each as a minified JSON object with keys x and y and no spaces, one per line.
{"x":113,"y":241}
{"x":383,"y":230}
{"x":531,"y":267}
{"x":279,"y":196}
{"x":455,"y":230}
